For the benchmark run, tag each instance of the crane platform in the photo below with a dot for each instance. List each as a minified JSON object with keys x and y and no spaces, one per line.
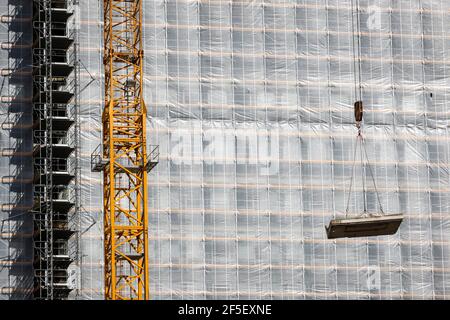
{"x":364,"y":226}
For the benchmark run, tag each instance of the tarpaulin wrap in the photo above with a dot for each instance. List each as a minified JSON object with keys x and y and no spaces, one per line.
{"x":251,"y":104}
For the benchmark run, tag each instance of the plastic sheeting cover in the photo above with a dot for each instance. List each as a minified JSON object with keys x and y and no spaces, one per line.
{"x":251,"y":103}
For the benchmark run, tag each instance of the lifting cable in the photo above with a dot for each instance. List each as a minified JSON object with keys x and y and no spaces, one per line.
{"x":358,"y":108}
{"x":356,"y":49}
{"x":363,"y":154}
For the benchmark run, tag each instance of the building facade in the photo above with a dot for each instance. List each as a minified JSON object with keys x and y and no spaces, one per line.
{"x":251,"y":104}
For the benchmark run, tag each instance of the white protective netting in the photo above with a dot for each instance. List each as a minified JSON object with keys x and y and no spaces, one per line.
{"x":251,"y":103}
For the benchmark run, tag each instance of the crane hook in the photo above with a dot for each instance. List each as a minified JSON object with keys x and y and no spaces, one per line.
{"x":358,"y":106}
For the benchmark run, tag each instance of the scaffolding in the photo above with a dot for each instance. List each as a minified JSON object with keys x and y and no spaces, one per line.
{"x":124,"y":160}
{"x":252,"y":105}
{"x":55,"y":168}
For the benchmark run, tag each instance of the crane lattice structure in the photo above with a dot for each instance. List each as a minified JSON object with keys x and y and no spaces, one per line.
{"x":123,"y":158}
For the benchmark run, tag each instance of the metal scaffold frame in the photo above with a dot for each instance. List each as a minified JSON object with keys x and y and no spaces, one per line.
{"x":43,"y":242}
{"x":55,"y":193}
{"x":124,"y":160}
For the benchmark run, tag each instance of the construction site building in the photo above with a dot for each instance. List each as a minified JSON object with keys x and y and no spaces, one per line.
{"x":251,"y":104}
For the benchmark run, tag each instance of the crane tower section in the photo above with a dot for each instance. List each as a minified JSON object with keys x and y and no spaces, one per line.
{"x":123,"y":158}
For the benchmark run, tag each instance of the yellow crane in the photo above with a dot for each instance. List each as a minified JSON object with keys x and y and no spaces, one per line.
{"x":124,"y":160}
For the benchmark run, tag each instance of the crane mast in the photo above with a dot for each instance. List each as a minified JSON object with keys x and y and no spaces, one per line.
{"x":124,"y":156}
